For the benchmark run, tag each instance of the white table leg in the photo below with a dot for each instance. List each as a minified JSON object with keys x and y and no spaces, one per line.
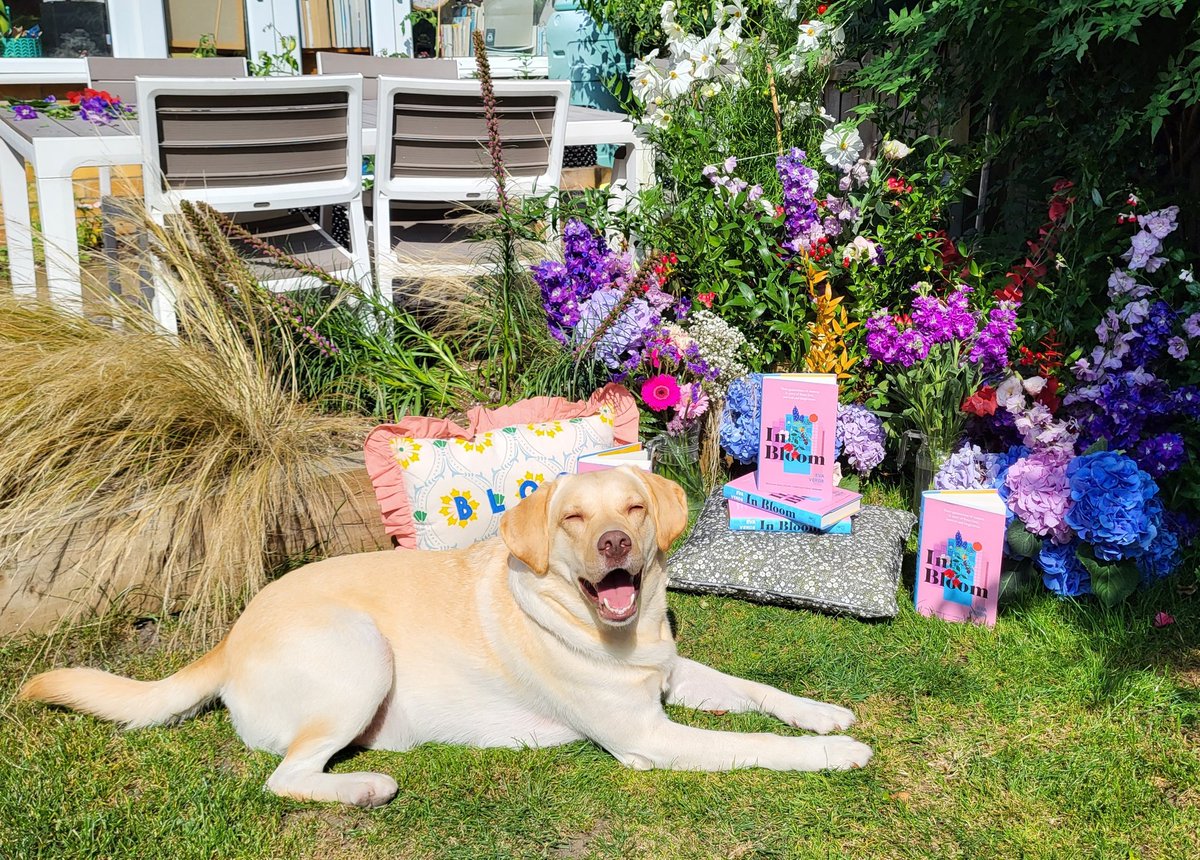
{"x":56,"y":202}
{"x":14,"y":191}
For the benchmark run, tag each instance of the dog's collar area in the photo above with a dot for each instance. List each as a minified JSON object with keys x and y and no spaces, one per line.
{"x":615,"y":596}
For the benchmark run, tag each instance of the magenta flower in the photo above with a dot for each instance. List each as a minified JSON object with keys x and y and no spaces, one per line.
{"x":660,"y":392}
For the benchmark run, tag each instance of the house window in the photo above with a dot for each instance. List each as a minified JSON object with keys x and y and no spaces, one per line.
{"x":206,"y":25}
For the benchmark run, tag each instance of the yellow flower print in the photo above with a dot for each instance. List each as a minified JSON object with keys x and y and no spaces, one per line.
{"x":549,"y":429}
{"x":405,"y":450}
{"x":479,"y":444}
{"x":606,"y":414}
{"x":459,"y":508}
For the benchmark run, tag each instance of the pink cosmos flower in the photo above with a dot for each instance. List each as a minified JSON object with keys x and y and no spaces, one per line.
{"x":660,"y":392}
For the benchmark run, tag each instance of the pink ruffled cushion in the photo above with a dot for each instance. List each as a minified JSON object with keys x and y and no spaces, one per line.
{"x":391,"y":450}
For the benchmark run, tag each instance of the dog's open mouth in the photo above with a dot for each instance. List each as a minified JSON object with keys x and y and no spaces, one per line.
{"x":615,"y":596}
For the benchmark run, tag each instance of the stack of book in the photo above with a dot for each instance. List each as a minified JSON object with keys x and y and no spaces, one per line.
{"x":794,"y":488}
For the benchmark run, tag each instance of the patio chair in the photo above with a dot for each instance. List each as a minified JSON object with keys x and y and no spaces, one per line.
{"x":333,"y":63}
{"x":116,"y":75}
{"x":263,"y":147}
{"x":431,"y":158}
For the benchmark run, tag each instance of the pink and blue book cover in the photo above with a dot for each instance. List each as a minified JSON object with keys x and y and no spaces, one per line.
{"x":799,"y":420}
{"x":960,"y":553}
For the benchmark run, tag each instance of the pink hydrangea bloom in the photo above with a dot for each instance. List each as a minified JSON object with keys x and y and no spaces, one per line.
{"x":1039,"y":493}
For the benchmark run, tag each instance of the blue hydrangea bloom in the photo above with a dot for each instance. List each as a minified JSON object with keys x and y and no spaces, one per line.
{"x":1062,"y":572}
{"x":741,"y":418}
{"x":1110,"y":506}
{"x":1162,"y":556}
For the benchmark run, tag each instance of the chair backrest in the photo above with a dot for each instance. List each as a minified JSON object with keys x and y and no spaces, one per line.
{"x":251,"y":143}
{"x":333,"y":63}
{"x":116,"y":75}
{"x":432,"y":138}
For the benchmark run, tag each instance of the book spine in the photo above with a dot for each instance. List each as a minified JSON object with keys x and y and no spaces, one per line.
{"x":758,"y":524}
{"x":772,"y":506}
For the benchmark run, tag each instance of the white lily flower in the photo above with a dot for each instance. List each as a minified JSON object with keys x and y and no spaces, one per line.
{"x":841,"y":146}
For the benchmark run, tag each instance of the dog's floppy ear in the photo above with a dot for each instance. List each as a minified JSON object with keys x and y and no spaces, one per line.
{"x":526,"y":530}
{"x":669,"y":506}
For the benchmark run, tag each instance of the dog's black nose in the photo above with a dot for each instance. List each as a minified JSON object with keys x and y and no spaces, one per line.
{"x":614,"y":544}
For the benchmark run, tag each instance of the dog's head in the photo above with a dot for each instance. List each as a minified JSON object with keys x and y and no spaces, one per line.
{"x":602,"y":532}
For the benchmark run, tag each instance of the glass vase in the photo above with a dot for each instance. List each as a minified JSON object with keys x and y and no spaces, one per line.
{"x":927,"y":462}
{"x":677,"y":456}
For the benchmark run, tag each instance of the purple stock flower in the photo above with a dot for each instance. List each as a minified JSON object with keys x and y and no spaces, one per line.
{"x":991,"y":347}
{"x":799,"y":181}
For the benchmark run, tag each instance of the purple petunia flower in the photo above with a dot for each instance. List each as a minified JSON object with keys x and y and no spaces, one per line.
{"x":24,"y":112}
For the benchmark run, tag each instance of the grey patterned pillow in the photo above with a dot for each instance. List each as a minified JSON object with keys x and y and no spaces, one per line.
{"x":855,"y":574}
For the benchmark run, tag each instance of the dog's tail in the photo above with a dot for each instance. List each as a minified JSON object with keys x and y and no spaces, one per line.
{"x":132,"y":703}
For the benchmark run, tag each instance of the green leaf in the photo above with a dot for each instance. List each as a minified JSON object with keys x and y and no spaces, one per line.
{"x":1096,"y":447}
{"x":1021,"y":541}
{"x":1112,"y":582}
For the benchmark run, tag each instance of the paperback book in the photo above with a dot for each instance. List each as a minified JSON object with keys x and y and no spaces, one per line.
{"x":747,"y":518}
{"x":960,"y":552}
{"x":818,"y":513}
{"x":796,"y":438}
{"x":610,"y":458}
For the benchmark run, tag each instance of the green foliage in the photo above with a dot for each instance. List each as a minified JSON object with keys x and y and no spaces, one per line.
{"x":1023,"y":543}
{"x":1099,"y":92}
{"x":206,"y":46}
{"x":284,"y":61}
{"x":1112,"y":582}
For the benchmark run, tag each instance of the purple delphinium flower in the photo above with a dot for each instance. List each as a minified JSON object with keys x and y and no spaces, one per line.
{"x":588,"y":265}
{"x":24,"y":112}
{"x":1177,"y":348}
{"x":1191,"y":326}
{"x":799,"y":203}
{"x":1142,"y":248}
{"x":1160,"y":223}
{"x":1161,"y":454}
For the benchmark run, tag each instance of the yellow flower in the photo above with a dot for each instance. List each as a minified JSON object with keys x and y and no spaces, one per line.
{"x":405,"y":450}
{"x":549,"y":429}
{"x":459,"y":508}
{"x":606,"y":413}
{"x":478,"y":445}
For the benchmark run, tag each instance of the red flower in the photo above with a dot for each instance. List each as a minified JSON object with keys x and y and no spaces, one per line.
{"x":1163,"y":619}
{"x":1063,"y":185}
{"x":1059,"y":207}
{"x":706,"y":299}
{"x":1011,"y":292}
{"x":981,"y":403}
{"x":822,"y":9}
{"x":1048,"y":396}
{"x":660,"y":392}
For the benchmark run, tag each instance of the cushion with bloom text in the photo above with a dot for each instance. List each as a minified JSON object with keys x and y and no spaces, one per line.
{"x":444,"y":486}
{"x":856,"y":574}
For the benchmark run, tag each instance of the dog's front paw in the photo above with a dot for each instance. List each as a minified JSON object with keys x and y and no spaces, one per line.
{"x":843,"y":753}
{"x":816,"y":717}
{"x":366,"y":789}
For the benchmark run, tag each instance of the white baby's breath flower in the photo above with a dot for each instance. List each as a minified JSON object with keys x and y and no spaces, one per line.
{"x":841,"y":146}
{"x":894,"y":150}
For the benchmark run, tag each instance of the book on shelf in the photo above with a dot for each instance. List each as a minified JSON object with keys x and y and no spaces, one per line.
{"x":610,"y":458}
{"x":796,"y":434}
{"x":960,"y":550}
{"x":818,"y":513}
{"x":747,"y":518}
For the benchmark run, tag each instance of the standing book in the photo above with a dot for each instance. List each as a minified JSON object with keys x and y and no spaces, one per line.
{"x":807,"y":511}
{"x":747,"y":518}
{"x":796,"y":436}
{"x":960,"y":553}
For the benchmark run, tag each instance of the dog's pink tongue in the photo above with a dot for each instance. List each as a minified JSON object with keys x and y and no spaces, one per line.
{"x":617,"y":588}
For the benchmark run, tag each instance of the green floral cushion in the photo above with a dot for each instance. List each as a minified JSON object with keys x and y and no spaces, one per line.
{"x":856,"y":574}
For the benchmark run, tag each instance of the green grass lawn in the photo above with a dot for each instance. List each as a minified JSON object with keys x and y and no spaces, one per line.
{"x":1065,"y":732}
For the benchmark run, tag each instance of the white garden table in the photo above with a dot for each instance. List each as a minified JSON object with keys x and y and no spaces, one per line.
{"x":55,"y":149}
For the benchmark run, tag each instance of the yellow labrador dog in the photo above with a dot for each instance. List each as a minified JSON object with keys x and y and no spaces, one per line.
{"x":553,"y":632}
